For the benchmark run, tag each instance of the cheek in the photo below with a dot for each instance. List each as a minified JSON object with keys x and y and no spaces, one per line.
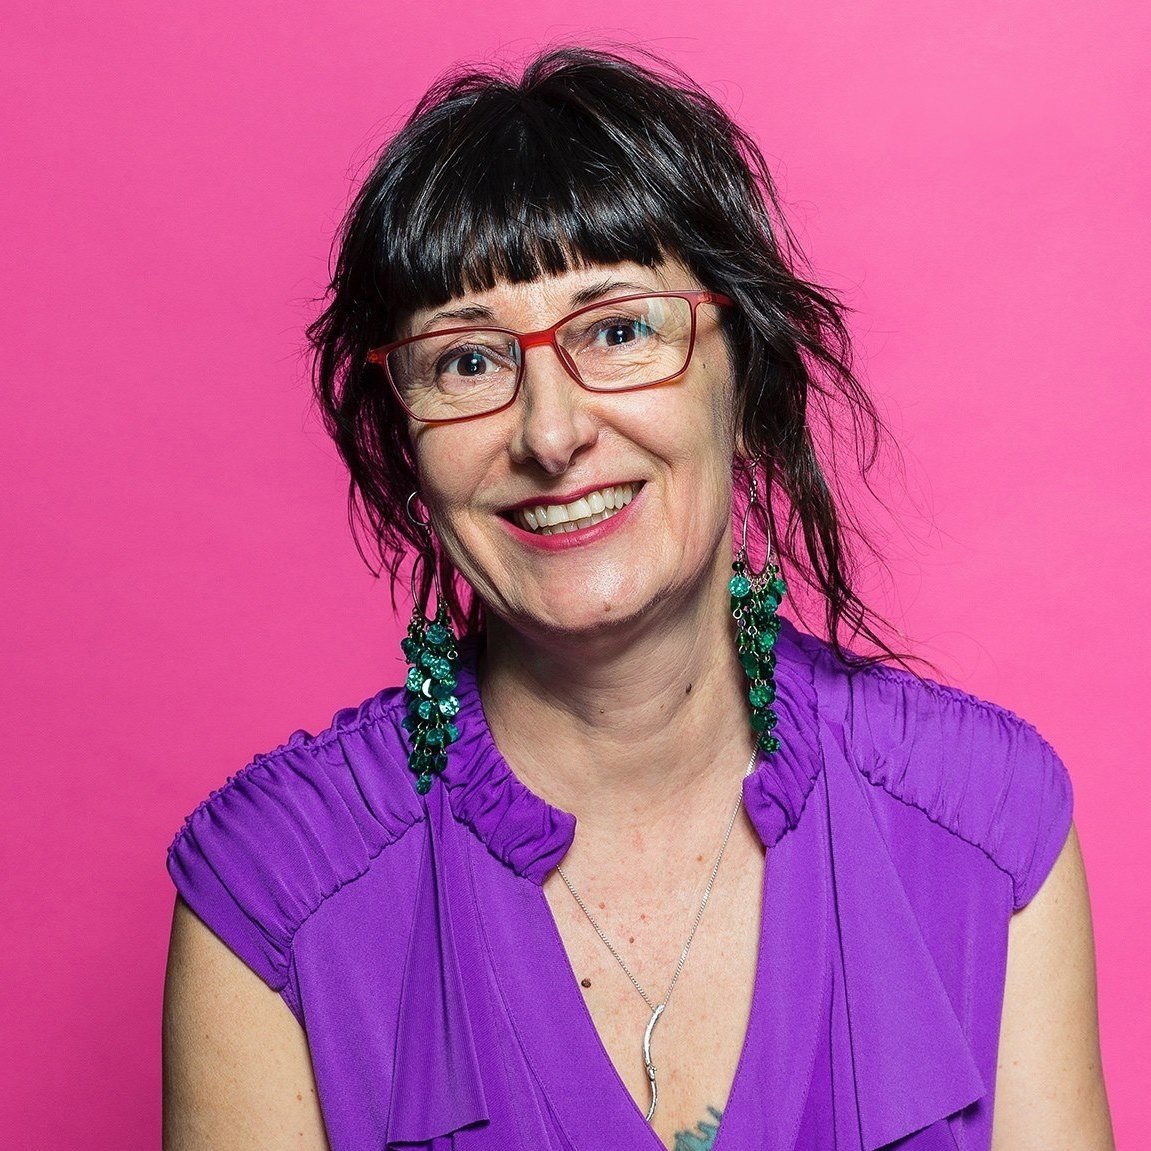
{"x":447,"y":466}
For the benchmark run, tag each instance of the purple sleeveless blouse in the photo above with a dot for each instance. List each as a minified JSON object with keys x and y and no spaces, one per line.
{"x":410,"y":936}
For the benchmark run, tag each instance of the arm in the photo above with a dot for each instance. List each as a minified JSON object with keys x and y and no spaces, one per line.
{"x":237,"y":1074}
{"x":1049,"y":1091}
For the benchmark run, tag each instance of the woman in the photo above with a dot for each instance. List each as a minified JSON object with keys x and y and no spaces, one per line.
{"x":686,"y":876}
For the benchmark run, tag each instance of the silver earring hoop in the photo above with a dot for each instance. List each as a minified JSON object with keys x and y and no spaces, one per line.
{"x":752,"y":500}
{"x":426,"y":527}
{"x":412,"y":517}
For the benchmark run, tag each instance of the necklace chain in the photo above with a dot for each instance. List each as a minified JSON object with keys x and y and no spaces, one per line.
{"x":695,"y":924}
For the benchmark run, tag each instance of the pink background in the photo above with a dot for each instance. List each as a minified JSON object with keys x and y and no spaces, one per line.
{"x":180,"y":590}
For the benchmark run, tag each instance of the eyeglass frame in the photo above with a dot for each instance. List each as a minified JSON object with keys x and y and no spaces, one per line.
{"x":694,"y":297}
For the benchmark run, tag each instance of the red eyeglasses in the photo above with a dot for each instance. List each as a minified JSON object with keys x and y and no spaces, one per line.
{"x":617,"y":345}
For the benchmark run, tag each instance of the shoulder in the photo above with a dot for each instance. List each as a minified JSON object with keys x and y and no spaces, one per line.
{"x":285,"y":833}
{"x":973,"y":768}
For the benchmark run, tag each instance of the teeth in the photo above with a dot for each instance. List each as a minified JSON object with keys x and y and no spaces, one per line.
{"x":547,"y":519}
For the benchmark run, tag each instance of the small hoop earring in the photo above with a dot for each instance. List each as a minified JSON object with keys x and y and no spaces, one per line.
{"x":412,"y":517}
{"x":755,"y":600}
{"x":433,"y":658}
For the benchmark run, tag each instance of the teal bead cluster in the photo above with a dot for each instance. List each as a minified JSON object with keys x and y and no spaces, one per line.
{"x":432,"y":703}
{"x":755,"y":601}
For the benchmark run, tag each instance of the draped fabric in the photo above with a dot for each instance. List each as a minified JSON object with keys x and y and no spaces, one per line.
{"x":410,"y":936}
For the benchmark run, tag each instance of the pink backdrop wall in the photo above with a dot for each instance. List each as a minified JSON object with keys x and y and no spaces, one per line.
{"x":179,"y":586}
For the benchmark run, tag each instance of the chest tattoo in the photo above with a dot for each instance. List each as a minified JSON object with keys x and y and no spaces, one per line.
{"x":703,"y":1137}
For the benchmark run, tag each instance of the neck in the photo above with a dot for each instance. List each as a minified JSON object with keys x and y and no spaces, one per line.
{"x":640,"y":719}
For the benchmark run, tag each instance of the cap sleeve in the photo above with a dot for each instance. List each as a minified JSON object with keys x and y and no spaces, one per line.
{"x":975,"y":768}
{"x":260,"y":855}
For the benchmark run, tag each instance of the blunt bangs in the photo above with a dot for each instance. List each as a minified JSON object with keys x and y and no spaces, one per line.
{"x":495,"y":182}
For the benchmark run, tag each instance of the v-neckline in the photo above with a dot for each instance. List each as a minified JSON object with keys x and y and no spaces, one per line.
{"x":574,"y":1072}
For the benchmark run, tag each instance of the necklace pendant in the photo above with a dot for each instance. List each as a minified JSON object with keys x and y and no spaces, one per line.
{"x":657,"y":1011}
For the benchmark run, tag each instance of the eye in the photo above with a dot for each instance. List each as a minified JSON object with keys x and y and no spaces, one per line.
{"x":614,"y":333}
{"x":469,"y":362}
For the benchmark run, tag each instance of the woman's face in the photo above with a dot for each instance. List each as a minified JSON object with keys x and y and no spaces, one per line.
{"x":663,"y":453}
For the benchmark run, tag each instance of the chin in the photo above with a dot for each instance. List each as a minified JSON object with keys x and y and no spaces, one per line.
{"x":593,"y":617}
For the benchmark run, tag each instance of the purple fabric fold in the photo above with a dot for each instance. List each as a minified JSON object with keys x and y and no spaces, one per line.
{"x":437,"y":1087}
{"x":973,"y":767}
{"x":776,"y":792}
{"x":517,"y":826}
{"x":912,"y":1059}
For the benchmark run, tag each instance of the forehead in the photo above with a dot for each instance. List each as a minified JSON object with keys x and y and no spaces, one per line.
{"x":533,"y":303}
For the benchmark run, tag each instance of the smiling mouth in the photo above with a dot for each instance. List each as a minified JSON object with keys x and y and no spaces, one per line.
{"x":548,"y":519}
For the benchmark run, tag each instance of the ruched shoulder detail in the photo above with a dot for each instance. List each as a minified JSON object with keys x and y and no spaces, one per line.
{"x":974,"y":768}
{"x":775,"y":794}
{"x":529,"y":835}
{"x":262,"y":853}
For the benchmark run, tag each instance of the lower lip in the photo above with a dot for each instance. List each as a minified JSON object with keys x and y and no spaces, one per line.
{"x":563,"y":541}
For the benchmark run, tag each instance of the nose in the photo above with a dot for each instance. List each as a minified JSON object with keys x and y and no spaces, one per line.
{"x":553,"y":420}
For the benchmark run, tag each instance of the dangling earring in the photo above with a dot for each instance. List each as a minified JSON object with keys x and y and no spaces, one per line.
{"x":755,"y":599}
{"x":430,"y":649}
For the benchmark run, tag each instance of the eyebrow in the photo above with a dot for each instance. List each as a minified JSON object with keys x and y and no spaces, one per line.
{"x":475,"y":313}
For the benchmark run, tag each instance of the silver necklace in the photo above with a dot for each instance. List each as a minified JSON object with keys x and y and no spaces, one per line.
{"x":657,"y":1009}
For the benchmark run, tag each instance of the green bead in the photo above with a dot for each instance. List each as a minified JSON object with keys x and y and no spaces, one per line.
{"x":770,"y":623}
{"x":438,"y":634}
{"x":739,"y":586}
{"x":765,"y":641}
{"x":761,"y":694}
{"x":764,"y":719}
{"x":449,"y":706}
{"x":436,"y":737}
{"x":445,"y":687}
{"x":438,"y":667}
{"x":769,"y":743}
{"x":410,"y":648}
{"x":425,"y":709}
{"x":750,"y":662}
{"x":415,"y":680}
{"x":453,"y":733}
{"x":424,"y":784}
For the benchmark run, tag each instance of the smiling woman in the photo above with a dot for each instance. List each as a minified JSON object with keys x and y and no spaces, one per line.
{"x":628,"y":860}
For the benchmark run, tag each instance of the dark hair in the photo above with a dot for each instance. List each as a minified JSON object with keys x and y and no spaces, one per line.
{"x":590,"y":157}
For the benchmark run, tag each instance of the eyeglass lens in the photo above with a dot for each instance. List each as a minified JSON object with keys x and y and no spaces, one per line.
{"x":619,"y":345}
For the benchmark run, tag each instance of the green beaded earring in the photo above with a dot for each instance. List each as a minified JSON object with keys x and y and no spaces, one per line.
{"x":755,"y":600}
{"x":432,"y":705}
